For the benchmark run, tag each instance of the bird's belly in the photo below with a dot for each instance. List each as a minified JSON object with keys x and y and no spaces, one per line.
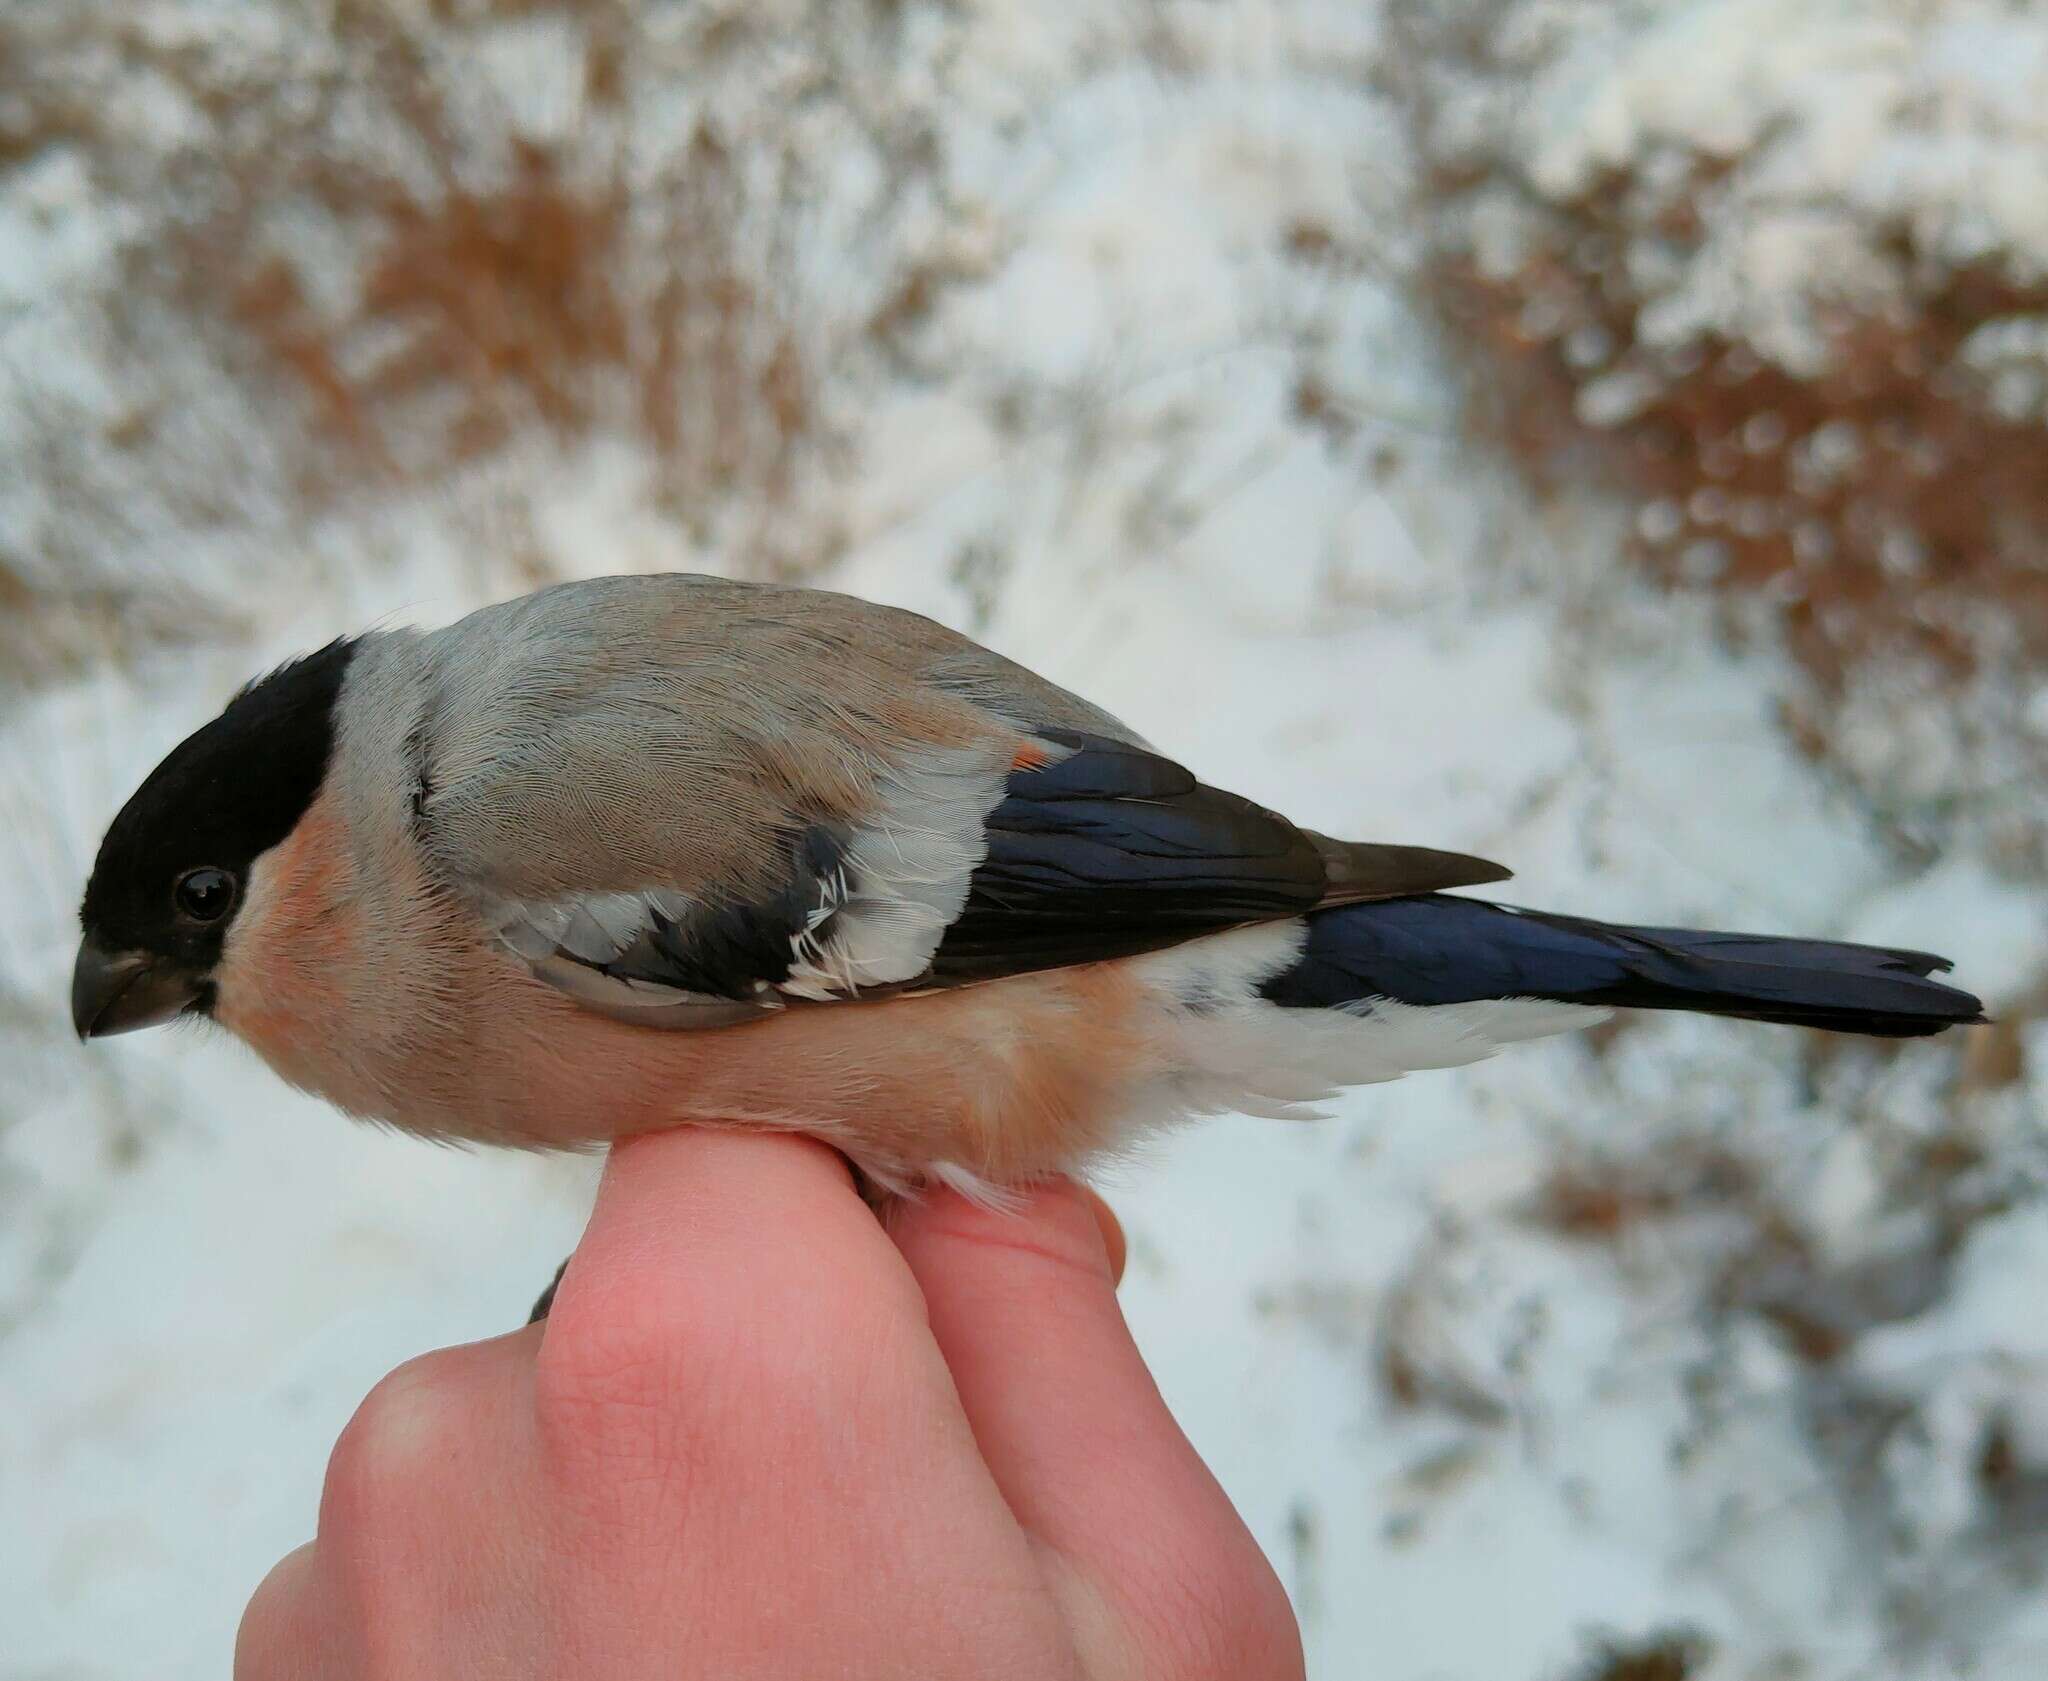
{"x":981,"y":1087}
{"x":997,"y":1083}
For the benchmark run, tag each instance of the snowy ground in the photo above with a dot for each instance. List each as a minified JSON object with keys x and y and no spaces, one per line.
{"x":1696,"y":1339}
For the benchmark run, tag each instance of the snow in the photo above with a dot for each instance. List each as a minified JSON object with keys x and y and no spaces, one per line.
{"x":1475,"y":1436}
{"x":1840,"y":122}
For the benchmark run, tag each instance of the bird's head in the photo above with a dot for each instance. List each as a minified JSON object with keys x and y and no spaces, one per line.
{"x":173,"y":871}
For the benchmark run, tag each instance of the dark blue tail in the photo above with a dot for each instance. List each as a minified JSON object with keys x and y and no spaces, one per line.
{"x":1443,"y":950}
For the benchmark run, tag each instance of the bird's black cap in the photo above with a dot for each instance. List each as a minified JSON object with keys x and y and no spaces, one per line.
{"x":224,"y":796}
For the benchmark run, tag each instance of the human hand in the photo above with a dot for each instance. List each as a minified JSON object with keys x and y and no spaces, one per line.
{"x":760,"y":1436}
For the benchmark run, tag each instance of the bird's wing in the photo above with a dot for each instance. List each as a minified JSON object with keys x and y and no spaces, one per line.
{"x":774,"y":818}
{"x":1107,"y":849}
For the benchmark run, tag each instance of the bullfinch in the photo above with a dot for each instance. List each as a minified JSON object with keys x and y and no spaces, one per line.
{"x":636,"y":852}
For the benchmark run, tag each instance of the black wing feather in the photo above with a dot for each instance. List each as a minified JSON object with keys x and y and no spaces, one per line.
{"x":1114,"y":850}
{"x":729,"y":950}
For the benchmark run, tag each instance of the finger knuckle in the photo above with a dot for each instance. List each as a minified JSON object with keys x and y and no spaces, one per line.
{"x":1055,"y":1232}
{"x":381,"y":1467}
{"x":633,"y":1345}
{"x":269,"y":1635}
{"x":623,"y":1353}
{"x":662,"y":1381}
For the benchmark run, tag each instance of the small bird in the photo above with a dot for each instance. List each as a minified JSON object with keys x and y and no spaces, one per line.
{"x":638,"y":852}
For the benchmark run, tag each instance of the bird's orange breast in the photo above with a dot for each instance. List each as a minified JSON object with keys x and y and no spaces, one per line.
{"x":399,"y":1006}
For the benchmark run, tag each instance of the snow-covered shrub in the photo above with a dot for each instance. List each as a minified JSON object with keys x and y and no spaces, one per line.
{"x":1779,"y":274}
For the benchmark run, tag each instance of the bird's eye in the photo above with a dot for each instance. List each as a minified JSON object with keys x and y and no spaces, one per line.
{"x":205,"y":894}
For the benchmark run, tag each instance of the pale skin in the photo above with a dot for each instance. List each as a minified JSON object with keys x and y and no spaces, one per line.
{"x":763,"y":1435}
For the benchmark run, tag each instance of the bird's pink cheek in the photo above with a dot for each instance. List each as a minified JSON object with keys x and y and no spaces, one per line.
{"x":290,"y":954}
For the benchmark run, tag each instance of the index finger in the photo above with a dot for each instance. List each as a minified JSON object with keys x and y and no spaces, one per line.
{"x":738,"y":1375}
{"x":727,"y":1234}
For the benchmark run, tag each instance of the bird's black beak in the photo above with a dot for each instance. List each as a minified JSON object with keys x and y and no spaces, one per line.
{"x":117,"y":991}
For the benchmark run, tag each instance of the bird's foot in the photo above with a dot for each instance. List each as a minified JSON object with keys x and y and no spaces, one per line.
{"x":547,"y":1296}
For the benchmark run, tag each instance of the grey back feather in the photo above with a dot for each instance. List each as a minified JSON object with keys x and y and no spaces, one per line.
{"x":626,"y":733}
{"x":617,"y":776}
